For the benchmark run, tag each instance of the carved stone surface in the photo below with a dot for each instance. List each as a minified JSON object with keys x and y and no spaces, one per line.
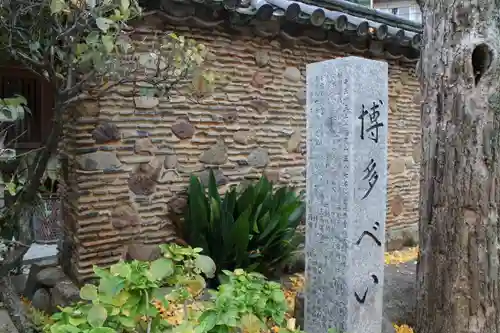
{"x":106,"y":132}
{"x":347,"y":104}
{"x":258,"y":158}
{"x":399,"y":297}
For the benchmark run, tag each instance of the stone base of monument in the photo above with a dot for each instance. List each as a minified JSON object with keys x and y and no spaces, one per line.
{"x":399,"y":297}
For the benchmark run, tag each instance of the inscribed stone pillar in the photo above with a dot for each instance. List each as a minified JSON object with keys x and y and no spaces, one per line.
{"x":347,"y":103}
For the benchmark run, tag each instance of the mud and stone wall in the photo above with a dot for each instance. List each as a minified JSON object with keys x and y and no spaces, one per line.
{"x":128,"y":160}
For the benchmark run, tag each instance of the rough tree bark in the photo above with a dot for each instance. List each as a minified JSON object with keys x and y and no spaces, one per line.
{"x":458,"y":272}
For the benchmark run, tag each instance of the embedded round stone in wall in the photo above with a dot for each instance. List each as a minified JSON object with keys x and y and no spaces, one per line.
{"x":230,"y":117}
{"x":258,"y":158}
{"x":183,"y":129}
{"x":146,"y":102}
{"x":261,"y":58}
{"x":141,"y":184}
{"x":393,"y":105}
{"x":294,"y":142}
{"x":409,"y":162}
{"x":397,"y":166}
{"x":151,"y":169}
{"x":292,"y":74}
{"x":99,"y":160}
{"x":405,"y":77}
{"x":177,"y":204}
{"x":417,"y":151}
{"x":106,"y":132}
{"x":215,"y":155}
{"x":124,"y":216}
{"x":397,"y":205}
{"x":143,"y":252}
{"x":258,"y":80}
{"x":408,"y":138}
{"x":417,"y":98}
{"x":272,"y":175}
{"x":145,"y":146}
{"x":301,"y":96}
{"x":88,"y":108}
{"x":220,"y":178}
{"x":243,"y":137}
{"x":170,"y":161}
{"x":398,"y":88}
{"x":259,"y":105}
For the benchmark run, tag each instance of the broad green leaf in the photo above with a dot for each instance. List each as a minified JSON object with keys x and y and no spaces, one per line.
{"x":76,"y":321}
{"x":66,"y":328}
{"x":97,"y":315}
{"x":81,"y":48}
{"x":251,"y":323}
{"x":102,"y":330}
{"x":111,"y":285}
{"x":121,"y":298}
{"x":228,"y":318}
{"x":88,"y":292}
{"x":103,"y":24}
{"x":206,"y":265}
{"x":207,"y":321}
{"x":124,"y":5}
{"x":240,"y":234}
{"x":92,"y":37}
{"x":161,"y":268}
{"x":108,"y":43}
{"x":57,"y":6}
{"x":195,"y":285}
{"x":128,"y":322}
{"x":296,"y":217}
{"x":278,"y":296}
{"x":121,"y":269}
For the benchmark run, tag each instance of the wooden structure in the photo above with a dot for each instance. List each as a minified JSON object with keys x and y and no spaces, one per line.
{"x":31,"y":132}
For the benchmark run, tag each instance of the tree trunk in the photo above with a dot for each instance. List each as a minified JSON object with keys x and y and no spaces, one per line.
{"x":14,"y":306}
{"x":458,"y":271}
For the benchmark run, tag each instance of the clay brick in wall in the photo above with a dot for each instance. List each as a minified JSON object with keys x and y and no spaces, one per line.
{"x":103,"y":213}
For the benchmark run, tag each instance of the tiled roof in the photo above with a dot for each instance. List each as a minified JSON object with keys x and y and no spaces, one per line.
{"x":342,"y":24}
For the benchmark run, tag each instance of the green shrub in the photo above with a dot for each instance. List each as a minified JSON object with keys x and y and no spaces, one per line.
{"x":253,"y":228}
{"x":161,"y":296}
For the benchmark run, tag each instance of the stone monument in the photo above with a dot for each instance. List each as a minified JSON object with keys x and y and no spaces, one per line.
{"x":347,"y":103}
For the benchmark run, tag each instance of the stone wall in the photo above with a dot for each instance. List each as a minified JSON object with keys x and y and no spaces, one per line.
{"x":127,"y":160}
